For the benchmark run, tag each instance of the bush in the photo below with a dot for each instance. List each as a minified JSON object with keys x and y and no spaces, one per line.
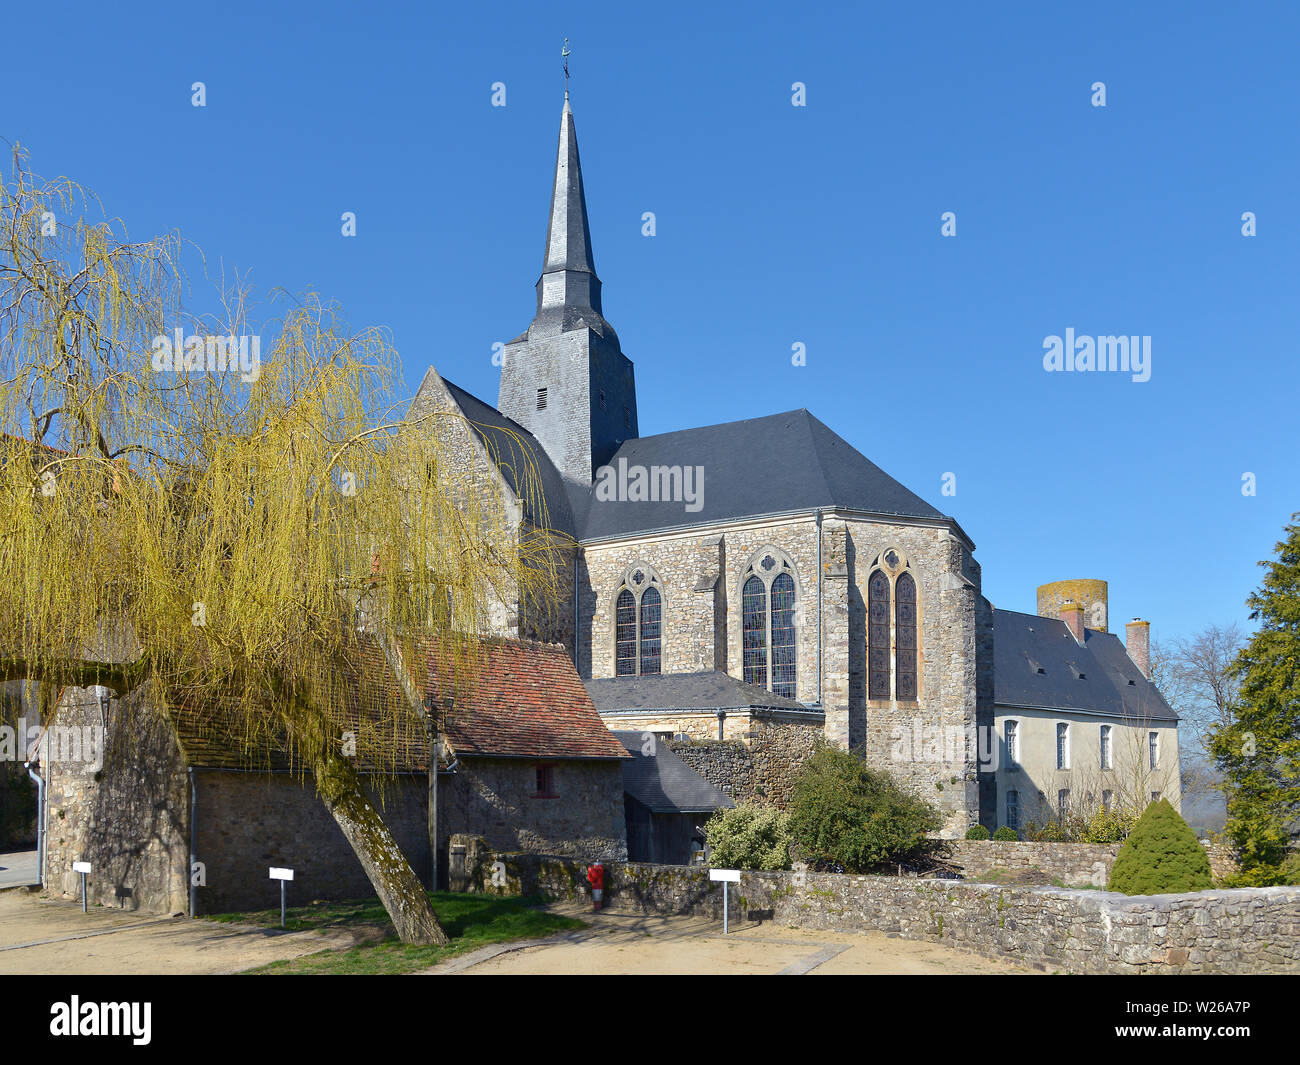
{"x":1161,"y":856}
{"x":1006,"y":835}
{"x":977,"y":832}
{"x":843,"y":813}
{"x":749,"y":837}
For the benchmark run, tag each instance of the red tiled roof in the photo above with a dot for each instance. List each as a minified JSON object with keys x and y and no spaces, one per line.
{"x":509,"y":699}
{"x":526,"y":701}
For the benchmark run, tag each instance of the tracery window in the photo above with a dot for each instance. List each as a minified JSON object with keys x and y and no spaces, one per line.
{"x":893,"y":636}
{"x":638,"y":624}
{"x":768,"y":599}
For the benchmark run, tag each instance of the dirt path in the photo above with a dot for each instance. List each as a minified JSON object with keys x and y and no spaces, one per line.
{"x":38,"y":936}
{"x":617,"y":944}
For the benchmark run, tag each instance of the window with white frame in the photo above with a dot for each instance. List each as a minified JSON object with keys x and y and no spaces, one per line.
{"x":1103,"y":743}
{"x":1062,"y":745}
{"x":1013,"y":809}
{"x":1011,"y":733}
{"x":1153,"y":749}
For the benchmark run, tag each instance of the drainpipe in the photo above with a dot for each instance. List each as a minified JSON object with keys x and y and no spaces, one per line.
{"x":194,"y":818}
{"x":819,"y":606}
{"x":40,"y":821}
{"x":722,"y":716}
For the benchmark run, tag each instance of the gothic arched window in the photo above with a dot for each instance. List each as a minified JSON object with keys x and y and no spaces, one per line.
{"x":905,"y":638}
{"x":638,"y":624}
{"x":893,"y":636}
{"x":878,"y":635}
{"x":753,"y":610}
{"x":651,"y":630}
{"x":768,"y":599}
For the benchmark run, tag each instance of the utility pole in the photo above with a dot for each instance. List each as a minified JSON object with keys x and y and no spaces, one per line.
{"x":431,"y":730}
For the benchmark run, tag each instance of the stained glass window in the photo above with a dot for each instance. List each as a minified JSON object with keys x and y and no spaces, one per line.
{"x":625,"y":635}
{"x":651,"y":630}
{"x":753,"y":609}
{"x":905,"y":637}
{"x":878,"y":636}
{"x":784,"y":668}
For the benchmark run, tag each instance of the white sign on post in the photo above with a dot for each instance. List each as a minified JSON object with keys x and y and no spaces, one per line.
{"x":81,"y":867}
{"x":281,"y":874}
{"x":727,"y":876}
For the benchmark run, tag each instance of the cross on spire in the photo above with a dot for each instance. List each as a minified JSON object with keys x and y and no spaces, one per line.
{"x":564,"y":54}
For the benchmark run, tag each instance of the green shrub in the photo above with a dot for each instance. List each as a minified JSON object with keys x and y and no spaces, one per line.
{"x":749,"y":837}
{"x":845,"y":814}
{"x":1006,"y":835}
{"x":977,"y":832}
{"x":1161,"y":856}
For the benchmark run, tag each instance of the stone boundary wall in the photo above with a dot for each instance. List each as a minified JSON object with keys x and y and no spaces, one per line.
{"x":1073,"y":864}
{"x":1246,"y":931}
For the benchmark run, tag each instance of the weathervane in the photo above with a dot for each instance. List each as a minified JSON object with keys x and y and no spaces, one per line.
{"x":564,"y":54}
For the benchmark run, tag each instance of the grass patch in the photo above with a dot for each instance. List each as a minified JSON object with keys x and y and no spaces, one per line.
{"x":471,"y":921}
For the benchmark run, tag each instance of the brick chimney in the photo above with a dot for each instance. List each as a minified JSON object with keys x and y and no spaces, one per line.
{"x":1138,"y":641}
{"x":1072,"y":615}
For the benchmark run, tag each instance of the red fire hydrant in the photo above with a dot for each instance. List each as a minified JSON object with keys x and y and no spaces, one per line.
{"x":596,"y":878}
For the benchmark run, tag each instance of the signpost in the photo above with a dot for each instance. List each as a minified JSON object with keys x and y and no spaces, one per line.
{"x":83,"y":868}
{"x":726,"y":876}
{"x":284,"y":876}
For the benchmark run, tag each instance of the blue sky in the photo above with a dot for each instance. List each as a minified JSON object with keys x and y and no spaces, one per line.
{"x":777,"y":225}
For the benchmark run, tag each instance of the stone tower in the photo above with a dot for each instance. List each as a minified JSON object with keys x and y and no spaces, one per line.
{"x":566,"y":379}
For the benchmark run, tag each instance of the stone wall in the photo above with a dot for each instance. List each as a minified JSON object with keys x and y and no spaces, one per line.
{"x":761,"y":770}
{"x":124,"y":812}
{"x":1244,"y":931}
{"x":248,"y":822}
{"x":1073,"y":864}
{"x":496,"y":799}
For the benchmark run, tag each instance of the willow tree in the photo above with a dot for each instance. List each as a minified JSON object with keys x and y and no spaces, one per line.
{"x":223,"y":513}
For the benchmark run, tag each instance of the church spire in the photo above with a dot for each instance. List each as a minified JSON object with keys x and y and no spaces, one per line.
{"x":568,"y":292}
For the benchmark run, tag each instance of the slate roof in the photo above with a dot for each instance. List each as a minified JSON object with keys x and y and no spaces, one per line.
{"x":1024,"y":644}
{"x":710,"y":690}
{"x":525,"y":701}
{"x":758,"y":466}
{"x":783,"y":462}
{"x":665,"y":783}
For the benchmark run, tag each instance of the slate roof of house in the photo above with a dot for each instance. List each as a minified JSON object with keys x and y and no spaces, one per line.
{"x":1037,"y":663}
{"x":525,"y":701}
{"x":664,"y":783}
{"x":709,"y":690}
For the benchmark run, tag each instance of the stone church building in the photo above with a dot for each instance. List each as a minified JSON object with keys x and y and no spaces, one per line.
{"x":768,"y":551}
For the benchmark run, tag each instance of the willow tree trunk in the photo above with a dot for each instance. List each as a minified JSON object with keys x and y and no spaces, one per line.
{"x":398,"y":887}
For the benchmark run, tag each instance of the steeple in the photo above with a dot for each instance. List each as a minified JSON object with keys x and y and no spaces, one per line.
{"x":565,"y":378}
{"x":568,"y":292}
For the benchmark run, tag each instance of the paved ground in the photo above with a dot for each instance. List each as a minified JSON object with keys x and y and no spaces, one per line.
{"x":18,"y":867}
{"x":618,"y":944}
{"x":38,"y":936}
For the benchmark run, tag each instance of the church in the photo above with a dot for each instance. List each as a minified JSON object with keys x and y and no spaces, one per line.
{"x":762,"y":581}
